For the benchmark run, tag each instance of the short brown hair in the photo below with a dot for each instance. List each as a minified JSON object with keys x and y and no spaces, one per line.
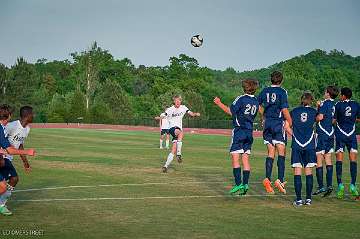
{"x":276,"y":77}
{"x":250,"y":86}
{"x":5,"y":111}
{"x":333,"y":91}
{"x":177,"y":97}
{"x":307,"y":98}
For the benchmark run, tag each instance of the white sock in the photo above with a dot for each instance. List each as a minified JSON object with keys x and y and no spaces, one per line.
{"x":167,"y":143}
{"x":178,"y":147}
{"x":161,"y":143}
{"x":5,"y":197}
{"x":169,"y":159}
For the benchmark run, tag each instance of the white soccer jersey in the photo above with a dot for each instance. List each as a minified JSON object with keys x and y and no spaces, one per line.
{"x":164,"y":122}
{"x":16,"y":134}
{"x":175,"y":115}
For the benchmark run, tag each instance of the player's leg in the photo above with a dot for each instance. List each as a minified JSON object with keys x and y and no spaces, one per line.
{"x":329,"y":173}
{"x":297,"y":185}
{"x":167,"y":139}
{"x":339,"y":162}
{"x":180,"y":135}
{"x":269,"y":161}
{"x":172,"y":152}
{"x":3,"y":194}
{"x":296,"y":164}
{"x":246,"y":172}
{"x":235,"y":162}
{"x":319,"y":172}
{"x":236,"y":149}
{"x":3,"y":197}
{"x":353,"y":167}
{"x":309,"y":184}
{"x":161,"y":138}
{"x":280,"y":183}
{"x":170,"y":157}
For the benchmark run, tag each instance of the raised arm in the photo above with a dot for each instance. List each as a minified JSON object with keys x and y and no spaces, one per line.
{"x":225,"y":108}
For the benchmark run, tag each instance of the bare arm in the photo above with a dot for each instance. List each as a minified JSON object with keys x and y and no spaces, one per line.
{"x":225,"y":108}
{"x":288,"y":128}
{"x":13,"y":151}
{"x":287,"y":116}
{"x":319,"y":117}
{"x":25,"y":160}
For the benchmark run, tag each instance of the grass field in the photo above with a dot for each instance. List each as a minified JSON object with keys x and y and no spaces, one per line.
{"x":122,"y":194}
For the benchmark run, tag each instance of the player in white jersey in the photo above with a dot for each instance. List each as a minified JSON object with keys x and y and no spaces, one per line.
{"x":164,"y":130}
{"x":17,"y":133}
{"x":175,"y":115}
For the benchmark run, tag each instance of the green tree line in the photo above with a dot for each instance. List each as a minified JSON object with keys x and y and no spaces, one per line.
{"x":97,"y":88}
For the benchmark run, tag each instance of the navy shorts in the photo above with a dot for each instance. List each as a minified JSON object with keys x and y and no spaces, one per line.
{"x":303,"y":158}
{"x":342,"y":141}
{"x":274,"y":132}
{"x":172,"y":133}
{"x":8,"y":170}
{"x":324,"y":144}
{"x":164,"y":131}
{"x":241,"y":141}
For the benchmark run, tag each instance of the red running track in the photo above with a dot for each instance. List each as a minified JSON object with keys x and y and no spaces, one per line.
{"x":256,"y":134}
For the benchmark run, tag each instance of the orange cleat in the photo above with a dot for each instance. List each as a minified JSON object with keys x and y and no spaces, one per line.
{"x":267,"y":186}
{"x":280,"y":186}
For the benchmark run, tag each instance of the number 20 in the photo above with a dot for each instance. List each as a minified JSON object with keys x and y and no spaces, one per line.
{"x":250,"y":109}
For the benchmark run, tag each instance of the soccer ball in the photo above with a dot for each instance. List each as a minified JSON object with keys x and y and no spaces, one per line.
{"x":197,"y":41}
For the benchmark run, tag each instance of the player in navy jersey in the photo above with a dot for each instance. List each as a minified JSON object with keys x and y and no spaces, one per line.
{"x":274,"y":111}
{"x":347,"y":112}
{"x":325,"y":139}
{"x":243,"y":111}
{"x":303,"y":153}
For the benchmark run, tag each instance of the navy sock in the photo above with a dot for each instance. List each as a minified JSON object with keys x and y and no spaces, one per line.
{"x":353,"y":172}
{"x":309,"y":185}
{"x":298,"y":186}
{"x":268,"y":167}
{"x":329,"y":174}
{"x":246,"y":175}
{"x":281,"y":167}
{"x":237,"y":175}
{"x":338,"y":171}
{"x":319,"y":176}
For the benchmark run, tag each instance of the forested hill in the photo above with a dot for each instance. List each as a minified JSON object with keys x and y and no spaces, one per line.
{"x":101,"y":89}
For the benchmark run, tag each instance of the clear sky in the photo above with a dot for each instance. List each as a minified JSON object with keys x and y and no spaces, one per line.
{"x":244,"y":34}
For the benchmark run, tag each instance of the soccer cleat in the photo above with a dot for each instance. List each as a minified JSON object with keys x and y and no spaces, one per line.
{"x":328,"y":191}
{"x":243,"y":190}
{"x":319,"y":191}
{"x":5,"y":211}
{"x":236,"y":188}
{"x":307,"y":202}
{"x":353,"y":190}
{"x":178,"y":158}
{"x":164,"y":169}
{"x":298,"y":203}
{"x":280,"y":186}
{"x":340,"y":191}
{"x":267,"y":186}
